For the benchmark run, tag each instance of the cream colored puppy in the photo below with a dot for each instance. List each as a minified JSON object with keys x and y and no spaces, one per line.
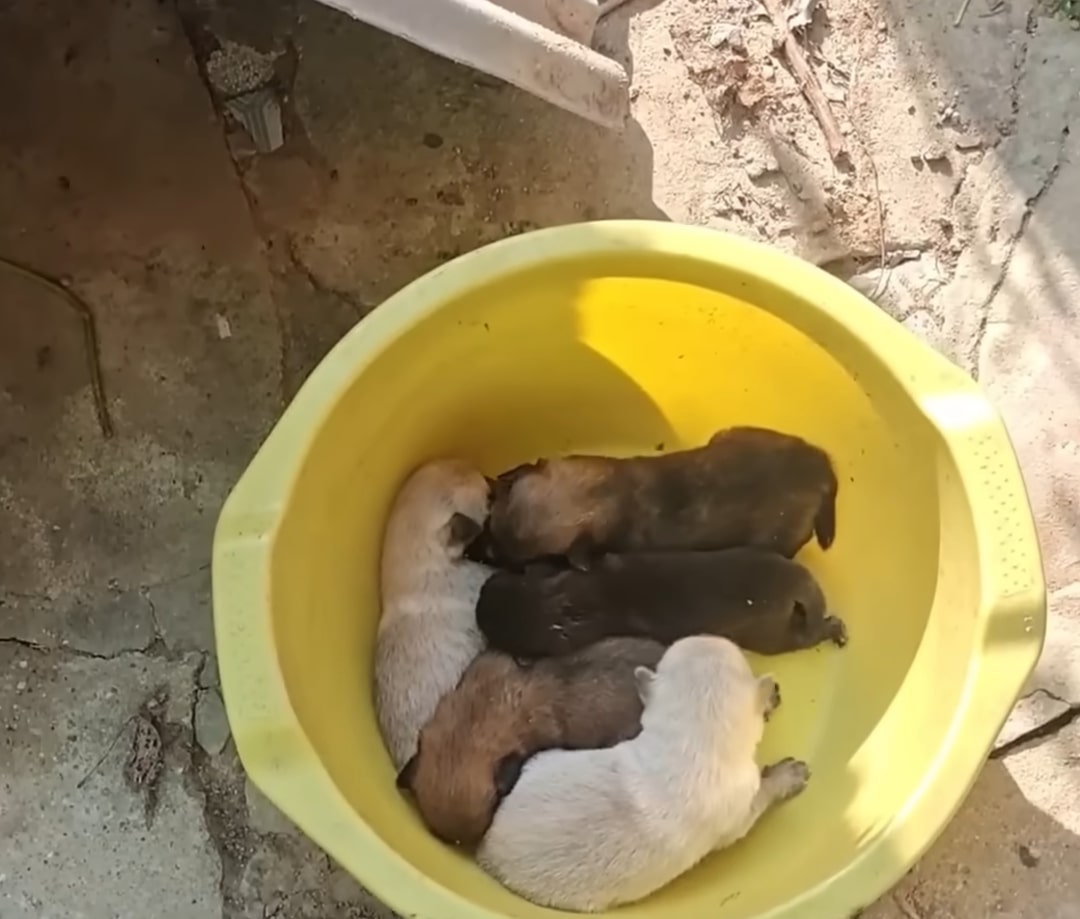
{"x":587,"y":830}
{"x":427,"y":632}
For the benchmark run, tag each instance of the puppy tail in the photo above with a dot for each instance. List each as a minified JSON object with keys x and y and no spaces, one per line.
{"x":825,"y":521}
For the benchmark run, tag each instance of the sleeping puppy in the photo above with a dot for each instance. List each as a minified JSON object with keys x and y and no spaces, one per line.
{"x":427,"y":633}
{"x":762,"y":601}
{"x":470,"y":754}
{"x":746,"y":487}
{"x":587,"y":830}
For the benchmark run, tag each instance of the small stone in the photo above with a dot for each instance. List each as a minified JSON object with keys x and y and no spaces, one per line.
{"x":260,"y":114}
{"x":933,"y":153}
{"x":727,"y":33}
{"x":211,"y":723}
{"x":20,"y":686}
{"x":208,"y":676}
{"x":433,"y":140}
{"x":1028,"y":857}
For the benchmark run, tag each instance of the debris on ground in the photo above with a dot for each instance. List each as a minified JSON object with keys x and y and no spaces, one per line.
{"x":146,"y":755}
{"x":146,"y":758}
{"x":260,"y":114}
{"x":235,"y":68}
{"x":782,"y":91}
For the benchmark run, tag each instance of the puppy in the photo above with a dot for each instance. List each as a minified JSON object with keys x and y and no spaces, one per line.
{"x":762,"y":601}
{"x":587,"y":830}
{"x":470,"y":754}
{"x":746,"y":487}
{"x":427,"y":634}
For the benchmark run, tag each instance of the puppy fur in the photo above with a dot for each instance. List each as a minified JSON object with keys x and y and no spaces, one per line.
{"x":471,"y":752}
{"x":427,"y":633}
{"x":761,"y":601}
{"x":587,"y":830}
{"x":746,"y":487}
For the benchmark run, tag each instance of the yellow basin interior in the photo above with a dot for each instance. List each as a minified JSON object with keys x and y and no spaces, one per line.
{"x":629,"y":338}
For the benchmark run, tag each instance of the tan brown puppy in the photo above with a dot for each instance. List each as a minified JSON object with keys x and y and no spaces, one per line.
{"x":760,"y":600}
{"x":746,"y":487}
{"x":470,"y":753}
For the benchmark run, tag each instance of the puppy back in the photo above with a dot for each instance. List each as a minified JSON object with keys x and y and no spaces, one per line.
{"x":519,"y":613}
{"x":598,"y":704}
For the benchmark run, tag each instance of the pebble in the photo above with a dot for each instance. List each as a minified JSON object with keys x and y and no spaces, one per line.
{"x":211,"y":724}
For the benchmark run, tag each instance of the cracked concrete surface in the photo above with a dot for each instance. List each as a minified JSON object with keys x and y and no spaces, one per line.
{"x":220,"y":277}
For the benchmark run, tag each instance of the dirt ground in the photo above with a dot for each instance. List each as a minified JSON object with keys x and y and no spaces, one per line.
{"x":220,"y":275}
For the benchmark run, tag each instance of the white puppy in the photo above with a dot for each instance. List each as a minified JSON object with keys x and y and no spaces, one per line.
{"x":427,"y":633}
{"x":587,"y":830}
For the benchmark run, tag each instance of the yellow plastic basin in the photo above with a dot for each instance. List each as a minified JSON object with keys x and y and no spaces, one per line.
{"x":622,"y":337}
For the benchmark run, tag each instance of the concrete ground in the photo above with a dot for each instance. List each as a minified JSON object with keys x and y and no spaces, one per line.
{"x":219,"y":276}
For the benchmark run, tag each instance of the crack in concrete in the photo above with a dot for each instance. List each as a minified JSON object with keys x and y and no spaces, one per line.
{"x":1047,"y":729}
{"x":1014,"y":242}
{"x":359,"y":308}
{"x":1053,"y":696}
{"x":194,"y":32}
{"x":172,"y":579}
{"x":157,"y":650}
{"x":66,"y":649}
{"x":225,"y":815}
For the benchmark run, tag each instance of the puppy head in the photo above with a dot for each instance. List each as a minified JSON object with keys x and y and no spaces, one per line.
{"x":543,"y":508}
{"x":467,"y":760}
{"x":444,"y":505}
{"x":701,"y":668}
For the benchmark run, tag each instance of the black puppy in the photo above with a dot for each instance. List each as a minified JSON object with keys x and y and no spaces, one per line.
{"x":758,"y":599}
{"x":746,"y":487}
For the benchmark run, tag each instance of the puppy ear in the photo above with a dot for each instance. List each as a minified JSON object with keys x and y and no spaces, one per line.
{"x":407,"y":775}
{"x":509,"y":477}
{"x":644,"y":677}
{"x":462,"y":530}
{"x":507,"y":773}
{"x":481,"y":549}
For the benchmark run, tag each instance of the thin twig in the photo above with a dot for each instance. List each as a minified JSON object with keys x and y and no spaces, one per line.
{"x":960,"y":15}
{"x":808,"y":81}
{"x":108,"y":750}
{"x":90,"y":343}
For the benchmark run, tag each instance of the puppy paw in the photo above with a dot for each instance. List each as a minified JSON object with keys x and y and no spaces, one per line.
{"x":770,"y":694}
{"x":836,"y":630}
{"x":786,"y":778}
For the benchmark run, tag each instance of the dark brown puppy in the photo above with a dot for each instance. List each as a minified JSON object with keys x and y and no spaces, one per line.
{"x":470,"y":753}
{"x":746,"y":487}
{"x":760,"y":600}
